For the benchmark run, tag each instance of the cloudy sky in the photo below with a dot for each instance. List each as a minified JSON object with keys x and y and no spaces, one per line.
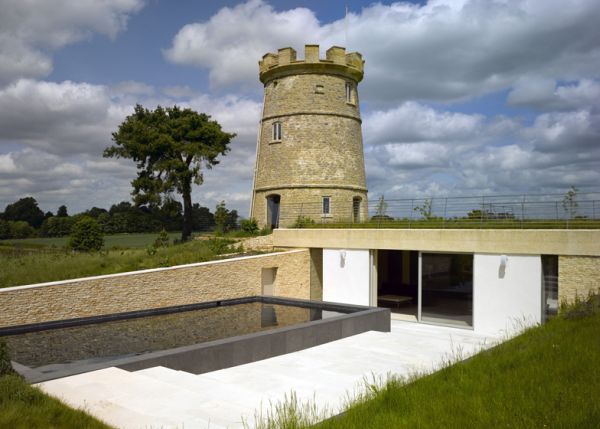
{"x":460,"y":97}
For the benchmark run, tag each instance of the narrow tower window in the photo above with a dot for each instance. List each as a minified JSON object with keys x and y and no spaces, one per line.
{"x":349,"y":95}
{"x":356,"y":209}
{"x":326,"y":206}
{"x":276,"y":131}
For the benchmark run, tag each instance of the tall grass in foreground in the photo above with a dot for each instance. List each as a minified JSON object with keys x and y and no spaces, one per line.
{"x":45,"y":267}
{"x":25,"y":407}
{"x":546,"y":377}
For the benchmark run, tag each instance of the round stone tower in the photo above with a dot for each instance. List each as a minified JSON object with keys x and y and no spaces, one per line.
{"x":309,"y":159}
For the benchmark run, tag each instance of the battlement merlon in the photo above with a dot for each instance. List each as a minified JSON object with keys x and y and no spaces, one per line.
{"x":336,"y":61}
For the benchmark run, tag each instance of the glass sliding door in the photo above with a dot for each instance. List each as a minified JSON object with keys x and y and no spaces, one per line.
{"x":447,"y":288}
{"x":398,"y":283}
{"x":550,"y":285}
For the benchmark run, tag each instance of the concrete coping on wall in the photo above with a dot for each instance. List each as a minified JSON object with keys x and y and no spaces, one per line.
{"x":149,"y":270}
{"x":578,"y":242}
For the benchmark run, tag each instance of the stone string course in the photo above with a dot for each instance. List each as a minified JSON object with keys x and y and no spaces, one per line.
{"x":578,"y":276}
{"x":141,"y":290}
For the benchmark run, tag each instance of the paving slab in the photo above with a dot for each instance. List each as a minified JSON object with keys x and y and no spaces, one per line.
{"x":327,"y":374}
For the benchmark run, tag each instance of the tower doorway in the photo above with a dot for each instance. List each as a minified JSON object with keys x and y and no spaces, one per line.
{"x":273,"y":203}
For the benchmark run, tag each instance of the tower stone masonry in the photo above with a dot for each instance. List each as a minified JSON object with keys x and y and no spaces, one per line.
{"x":309,"y":159}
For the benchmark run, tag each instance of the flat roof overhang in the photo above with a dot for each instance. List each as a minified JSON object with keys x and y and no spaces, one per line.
{"x":580,"y":242}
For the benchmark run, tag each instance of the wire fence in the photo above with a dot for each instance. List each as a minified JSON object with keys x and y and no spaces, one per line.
{"x":560,"y":211}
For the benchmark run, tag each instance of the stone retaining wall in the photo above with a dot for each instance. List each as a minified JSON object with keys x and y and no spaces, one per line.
{"x":161,"y":287}
{"x":577,"y":276}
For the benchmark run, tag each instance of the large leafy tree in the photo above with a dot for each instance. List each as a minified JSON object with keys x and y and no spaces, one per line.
{"x":170,"y":147}
{"x":27,"y":210}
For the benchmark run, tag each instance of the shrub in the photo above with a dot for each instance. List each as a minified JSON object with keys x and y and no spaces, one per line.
{"x":581,"y":307}
{"x":57,"y":226}
{"x":162,"y":240}
{"x":20,"y":229}
{"x":266,"y":230}
{"x":219,"y":246}
{"x":86,"y":235}
{"x":249,"y":225}
{"x":225,"y":219}
{"x":4,"y":229}
{"x":303,"y":222}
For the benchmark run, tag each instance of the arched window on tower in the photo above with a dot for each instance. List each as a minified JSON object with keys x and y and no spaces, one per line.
{"x":276,"y":131}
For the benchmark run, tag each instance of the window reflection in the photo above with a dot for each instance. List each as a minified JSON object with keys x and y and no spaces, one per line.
{"x":447,"y":288}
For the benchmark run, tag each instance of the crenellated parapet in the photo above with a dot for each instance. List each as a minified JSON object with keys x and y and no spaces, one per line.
{"x":336,"y":62}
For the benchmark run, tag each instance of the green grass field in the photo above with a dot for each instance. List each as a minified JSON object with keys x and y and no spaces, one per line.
{"x":127,"y":241}
{"x":37,"y":267}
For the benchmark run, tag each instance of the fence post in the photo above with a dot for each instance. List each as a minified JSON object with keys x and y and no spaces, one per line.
{"x":482,"y":213}
{"x":522,"y":211}
{"x":445,"y":207}
{"x":412,"y":209}
{"x":556,"y":208}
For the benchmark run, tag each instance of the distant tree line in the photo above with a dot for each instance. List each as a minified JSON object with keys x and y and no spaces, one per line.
{"x":24,"y":218}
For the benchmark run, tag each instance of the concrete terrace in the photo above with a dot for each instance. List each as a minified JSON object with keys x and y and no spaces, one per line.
{"x":161,"y":397}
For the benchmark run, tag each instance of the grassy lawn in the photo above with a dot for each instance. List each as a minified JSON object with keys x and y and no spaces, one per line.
{"x":547,"y":377}
{"x":23,"y":406}
{"x":40,"y":267}
{"x":135,"y":241}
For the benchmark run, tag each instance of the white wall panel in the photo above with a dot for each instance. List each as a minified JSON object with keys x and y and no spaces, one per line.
{"x":346,"y":276}
{"x":506,"y":299}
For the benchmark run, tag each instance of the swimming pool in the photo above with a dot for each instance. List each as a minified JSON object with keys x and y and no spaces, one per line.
{"x":196,"y":338}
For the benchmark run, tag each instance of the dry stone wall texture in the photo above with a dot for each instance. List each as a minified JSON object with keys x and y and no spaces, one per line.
{"x":577,"y":277}
{"x":149,"y":289}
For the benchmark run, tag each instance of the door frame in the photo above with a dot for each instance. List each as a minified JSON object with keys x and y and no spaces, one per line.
{"x":373,"y":255}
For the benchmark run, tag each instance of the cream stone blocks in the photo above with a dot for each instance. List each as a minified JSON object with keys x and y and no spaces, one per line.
{"x":162,"y":287}
{"x":320,"y":150}
{"x":578,"y":276}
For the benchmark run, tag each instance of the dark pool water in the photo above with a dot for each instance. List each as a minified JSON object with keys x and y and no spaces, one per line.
{"x":51,"y":349}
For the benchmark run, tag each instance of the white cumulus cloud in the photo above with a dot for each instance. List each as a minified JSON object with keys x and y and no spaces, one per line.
{"x":443,"y":50}
{"x":230,"y":43}
{"x":31,"y":30}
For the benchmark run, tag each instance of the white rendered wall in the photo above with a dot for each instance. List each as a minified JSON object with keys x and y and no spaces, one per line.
{"x":346,"y":276}
{"x":506,"y":300}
